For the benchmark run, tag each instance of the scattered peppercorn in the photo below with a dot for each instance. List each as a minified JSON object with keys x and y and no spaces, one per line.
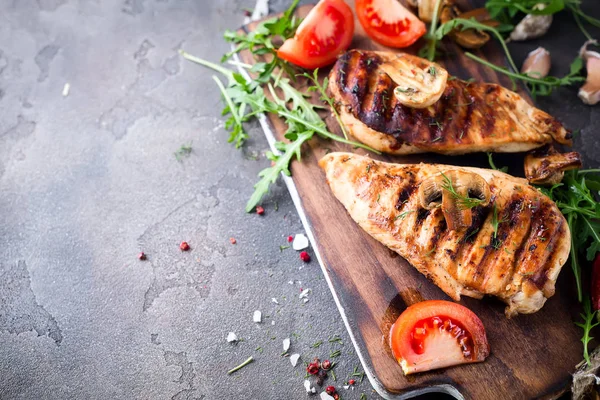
{"x":326,"y":364}
{"x":304,"y":256}
{"x":232,"y":240}
{"x":260,"y":210}
{"x":142,"y":256}
{"x":247,"y":13}
{"x":351,"y":382}
{"x":330,"y":390}
{"x":312,"y":369}
{"x":290,"y":239}
{"x":184,"y":246}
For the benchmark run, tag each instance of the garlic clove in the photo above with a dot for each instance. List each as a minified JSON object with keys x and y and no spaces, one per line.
{"x":537,"y":63}
{"x":532,"y":26}
{"x":589,"y":93}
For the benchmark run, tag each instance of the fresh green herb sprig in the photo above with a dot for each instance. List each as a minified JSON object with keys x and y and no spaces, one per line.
{"x":430,"y":50}
{"x":322,"y":90}
{"x":260,"y":42}
{"x":507,"y":10}
{"x":493,"y":166}
{"x":589,"y":322}
{"x":576,"y":196}
{"x":249,"y":99}
{"x":538,"y":86}
{"x":495,"y":225}
{"x":463,"y":202}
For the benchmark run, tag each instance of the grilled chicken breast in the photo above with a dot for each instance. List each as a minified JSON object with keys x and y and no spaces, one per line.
{"x":468,"y":117}
{"x":513,"y":245}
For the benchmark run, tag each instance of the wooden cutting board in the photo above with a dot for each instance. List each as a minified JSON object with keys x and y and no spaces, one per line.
{"x":532,"y":356}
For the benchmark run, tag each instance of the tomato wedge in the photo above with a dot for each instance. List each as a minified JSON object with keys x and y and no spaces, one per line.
{"x":436,"y":334}
{"x":389,"y":23}
{"x":326,"y":31}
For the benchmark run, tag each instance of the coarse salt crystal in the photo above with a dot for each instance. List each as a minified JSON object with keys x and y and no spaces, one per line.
{"x":274,"y":300}
{"x":325,"y":396}
{"x":300,"y":242}
{"x":304,"y":293}
{"x":305,"y":300}
{"x":257,"y":317}
{"x":66,"y":89}
{"x":286,"y":344}
{"x":294,"y":359}
{"x":308,"y":388}
{"x":232,"y":337}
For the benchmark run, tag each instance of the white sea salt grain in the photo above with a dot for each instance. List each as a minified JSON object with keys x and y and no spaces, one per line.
{"x":286,"y":344}
{"x":232,"y":337}
{"x":300,"y":242}
{"x":257,"y":317}
{"x":294,"y":359}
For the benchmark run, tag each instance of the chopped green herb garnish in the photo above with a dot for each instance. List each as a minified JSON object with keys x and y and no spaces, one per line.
{"x":184,"y":151}
{"x":242,"y":365}
{"x":336,"y":339}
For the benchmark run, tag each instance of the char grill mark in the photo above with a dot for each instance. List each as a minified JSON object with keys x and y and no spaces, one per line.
{"x":370,"y":94}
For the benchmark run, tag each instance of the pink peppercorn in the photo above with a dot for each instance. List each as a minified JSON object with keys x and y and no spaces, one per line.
{"x":304,"y":256}
{"x":184,"y":246}
{"x":260,"y":210}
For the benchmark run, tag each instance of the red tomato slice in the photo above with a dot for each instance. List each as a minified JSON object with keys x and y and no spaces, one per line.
{"x":436,"y":334}
{"x":389,"y":23}
{"x":326,"y":31}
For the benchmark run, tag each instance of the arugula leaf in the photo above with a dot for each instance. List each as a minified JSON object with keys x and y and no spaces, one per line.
{"x":506,"y":10}
{"x":587,"y":325}
{"x":322,"y":89}
{"x":576,"y":197}
{"x":260,"y":42}
{"x":281,"y":165}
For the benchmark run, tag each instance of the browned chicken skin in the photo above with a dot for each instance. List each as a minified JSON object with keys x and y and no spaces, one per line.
{"x":469,"y":117}
{"x":513,"y":244}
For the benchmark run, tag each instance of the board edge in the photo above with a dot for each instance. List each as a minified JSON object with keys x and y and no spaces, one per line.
{"x":291,"y":187}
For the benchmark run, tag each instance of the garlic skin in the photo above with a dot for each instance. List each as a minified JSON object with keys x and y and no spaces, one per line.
{"x":537,"y":63}
{"x":532,"y":26}
{"x":589,"y":93}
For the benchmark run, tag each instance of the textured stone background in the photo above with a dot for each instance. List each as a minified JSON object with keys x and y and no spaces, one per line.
{"x":89,"y":180}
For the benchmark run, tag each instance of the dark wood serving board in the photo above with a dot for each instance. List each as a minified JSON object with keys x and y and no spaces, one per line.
{"x":532,"y":356}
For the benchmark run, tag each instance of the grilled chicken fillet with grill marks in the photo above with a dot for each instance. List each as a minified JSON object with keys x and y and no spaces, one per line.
{"x":468,"y":117}
{"x":409,"y":209}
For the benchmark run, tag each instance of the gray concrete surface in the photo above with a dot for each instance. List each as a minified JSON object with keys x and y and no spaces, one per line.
{"x":89,"y":180}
